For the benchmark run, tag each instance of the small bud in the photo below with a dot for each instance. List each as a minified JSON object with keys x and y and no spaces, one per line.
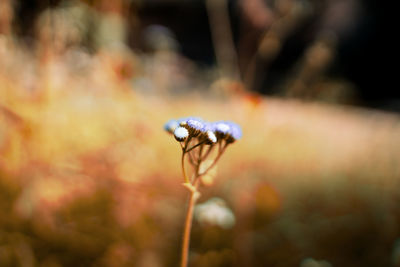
{"x":235,"y":132}
{"x":171,"y":125}
{"x":194,"y":125}
{"x":181,"y":134}
{"x":210,"y":137}
{"x":222,"y":129}
{"x":182,"y":123}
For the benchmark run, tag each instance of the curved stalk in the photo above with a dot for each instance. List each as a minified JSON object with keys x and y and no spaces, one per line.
{"x":188,"y":225}
{"x":185,"y":178}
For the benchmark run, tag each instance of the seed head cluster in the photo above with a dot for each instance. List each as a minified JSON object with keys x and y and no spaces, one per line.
{"x":207,"y":132}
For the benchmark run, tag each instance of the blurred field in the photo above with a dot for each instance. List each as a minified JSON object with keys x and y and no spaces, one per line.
{"x":88,"y":177}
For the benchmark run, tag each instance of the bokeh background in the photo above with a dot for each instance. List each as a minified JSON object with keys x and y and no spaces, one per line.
{"x":88,"y":177}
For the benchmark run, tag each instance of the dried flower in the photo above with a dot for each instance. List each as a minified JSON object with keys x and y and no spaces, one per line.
{"x":210,"y":137}
{"x":194,"y":125}
{"x":171,"y":125}
{"x":198,"y":133}
{"x":181,"y":134}
{"x":221,"y":129}
{"x":235,"y":132}
{"x":209,"y":133}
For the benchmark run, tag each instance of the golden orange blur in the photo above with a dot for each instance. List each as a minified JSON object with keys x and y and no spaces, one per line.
{"x":89,"y":177}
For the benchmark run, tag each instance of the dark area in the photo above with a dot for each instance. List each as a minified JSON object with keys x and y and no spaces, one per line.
{"x":365,"y":57}
{"x":188,"y":21}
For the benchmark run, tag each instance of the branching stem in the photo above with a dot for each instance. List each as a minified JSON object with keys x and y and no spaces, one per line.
{"x":220,"y":152}
{"x":192,"y":185}
{"x":193,"y":147}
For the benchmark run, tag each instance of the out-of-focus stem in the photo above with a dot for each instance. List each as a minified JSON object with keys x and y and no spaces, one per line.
{"x":222,"y":39}
{"x":193,"y":147}
{"x":207,"y":152}
{"x":191,"y":160}
{"x":220,"y":152}
{"x":199,"y":159}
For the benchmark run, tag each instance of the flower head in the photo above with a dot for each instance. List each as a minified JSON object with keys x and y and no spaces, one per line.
{"x":171,"y":125}
{"x":207,"y":132}
{"x":181,"y":134}
{"x":235,"y":132}
{"x":210,"y":137}
{"x":195,"y":126}
{"x":221,"y":129}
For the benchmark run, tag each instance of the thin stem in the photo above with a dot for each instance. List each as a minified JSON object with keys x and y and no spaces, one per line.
{"x":193,"y":147}
{"x":191,"y":159}
{"x":186,"y":179}
{"x":210,"y":148}
{"x":220,"y":152}
{"x":199,"y":159}
{"x":197,"y":166}
{"x":194,"y":195}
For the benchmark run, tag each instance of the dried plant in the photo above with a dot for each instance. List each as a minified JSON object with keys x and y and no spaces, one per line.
{"x":198,"y":140}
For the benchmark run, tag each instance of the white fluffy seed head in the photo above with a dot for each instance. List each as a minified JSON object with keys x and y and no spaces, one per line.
{"x":181,"y":134}
{"x":211,"y":138}
{"x":171,"y":125}
{"x":222,"y":127}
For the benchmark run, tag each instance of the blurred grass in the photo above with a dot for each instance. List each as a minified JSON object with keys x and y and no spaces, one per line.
{"x":88,"y":177}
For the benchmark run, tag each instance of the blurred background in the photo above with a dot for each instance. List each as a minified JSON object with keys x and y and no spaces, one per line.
{"x":88,"y":177}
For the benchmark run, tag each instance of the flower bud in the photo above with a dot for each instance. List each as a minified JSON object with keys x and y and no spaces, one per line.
{"x":181,"y":133}
{"x":171,"y":125}
{"x":210,"y":137}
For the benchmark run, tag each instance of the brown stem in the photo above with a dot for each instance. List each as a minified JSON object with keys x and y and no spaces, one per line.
{"x":191,"y":160}
{"x":210,"y":148}
{"x":193,"y":147}
{"x":220,"y":152}
{"x":186,"y":179}
{"x":183,"y":168}
{"x":222,"y":37}
{"x":199,"y":159}
{"x":194,"y":195}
